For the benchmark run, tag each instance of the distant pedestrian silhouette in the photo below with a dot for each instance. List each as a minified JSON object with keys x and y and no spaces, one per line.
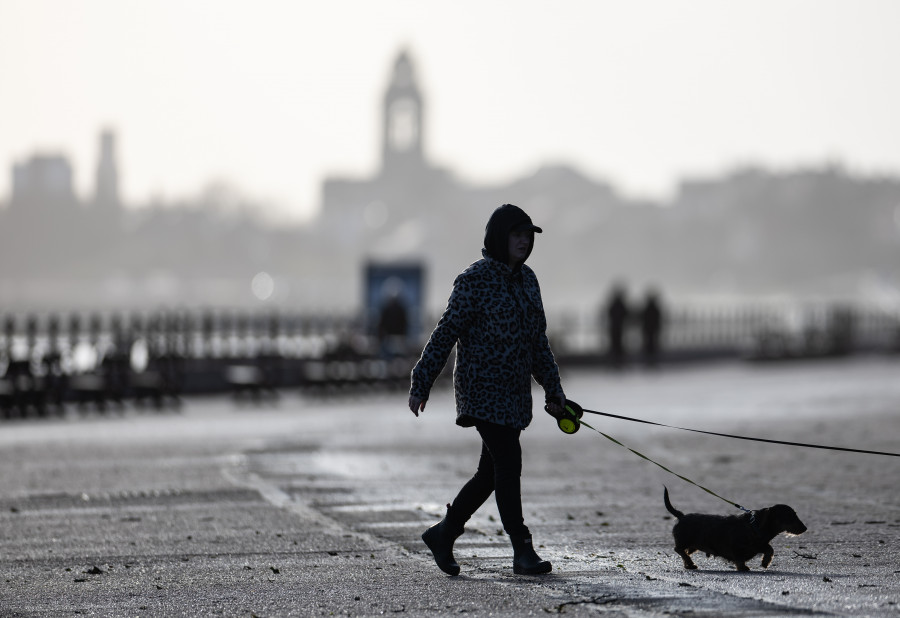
{"x":617,"y":315}
{"x":393,"y":326}
{"x":651,"y":328}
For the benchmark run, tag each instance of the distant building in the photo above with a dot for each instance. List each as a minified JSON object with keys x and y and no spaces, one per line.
{"x":42,"y":185}
{"x":43,"y":194}
{"x":356,"y":212}
{"x":414,"y":211}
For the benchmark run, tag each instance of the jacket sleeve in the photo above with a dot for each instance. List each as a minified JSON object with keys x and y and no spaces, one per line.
{"x":454,"y":322}
{"x":544,"y":368}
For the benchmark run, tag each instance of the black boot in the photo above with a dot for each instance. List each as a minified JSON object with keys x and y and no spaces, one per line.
{"x":440,"y":538}
{"x":525,"y":559}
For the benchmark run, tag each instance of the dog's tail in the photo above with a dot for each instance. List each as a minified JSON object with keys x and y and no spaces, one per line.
{"x":669,"y":506}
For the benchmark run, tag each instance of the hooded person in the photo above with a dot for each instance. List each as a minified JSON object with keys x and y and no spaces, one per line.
{"x":495,"y":318}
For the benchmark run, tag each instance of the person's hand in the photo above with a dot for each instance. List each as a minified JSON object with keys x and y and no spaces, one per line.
{"x":416,"y":405}
{"x":556,"y":409}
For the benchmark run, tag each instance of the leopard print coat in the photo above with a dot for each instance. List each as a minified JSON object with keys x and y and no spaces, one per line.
{"x":495,"y":317}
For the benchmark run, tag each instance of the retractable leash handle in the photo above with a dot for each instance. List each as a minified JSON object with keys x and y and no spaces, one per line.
{"x":570,"y":420}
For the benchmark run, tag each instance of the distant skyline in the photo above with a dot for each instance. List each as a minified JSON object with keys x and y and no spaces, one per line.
{"x":273,"y":96}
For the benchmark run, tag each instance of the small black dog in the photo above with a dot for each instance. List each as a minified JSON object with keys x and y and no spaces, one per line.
{"x":737,"y":538}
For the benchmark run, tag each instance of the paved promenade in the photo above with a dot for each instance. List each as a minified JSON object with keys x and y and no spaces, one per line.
{"x":315,"y":507}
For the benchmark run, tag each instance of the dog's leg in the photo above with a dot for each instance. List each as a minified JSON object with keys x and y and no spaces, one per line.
{"x":688,"y":563}
{"x":741,"y":566}
{"x":768,"y":552}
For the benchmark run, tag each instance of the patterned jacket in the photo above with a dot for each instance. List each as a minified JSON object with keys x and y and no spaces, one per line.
{"x":495,"y":317}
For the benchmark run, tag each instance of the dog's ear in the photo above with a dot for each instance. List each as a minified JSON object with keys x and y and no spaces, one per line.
{"x":784,"y":514}
{"x":762,"y":518}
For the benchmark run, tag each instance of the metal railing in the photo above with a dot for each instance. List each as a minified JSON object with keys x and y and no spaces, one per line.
{"x":103,"y":360}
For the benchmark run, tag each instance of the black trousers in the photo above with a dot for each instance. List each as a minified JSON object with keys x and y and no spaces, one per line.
{"x":499,"y":471}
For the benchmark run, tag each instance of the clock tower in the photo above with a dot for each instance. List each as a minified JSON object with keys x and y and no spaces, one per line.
{"x":402,"y":121}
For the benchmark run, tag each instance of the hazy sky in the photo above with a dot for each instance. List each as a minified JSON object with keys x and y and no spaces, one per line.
{"x":273,"y":95}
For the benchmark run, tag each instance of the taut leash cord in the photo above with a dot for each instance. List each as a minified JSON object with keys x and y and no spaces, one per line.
{"x":572,"y":419}
{"x":752,"y":439}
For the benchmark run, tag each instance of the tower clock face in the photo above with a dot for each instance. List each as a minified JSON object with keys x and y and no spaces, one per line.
{"x":404,"y":127}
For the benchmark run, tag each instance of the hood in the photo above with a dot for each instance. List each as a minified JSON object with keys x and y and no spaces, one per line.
{"x":504,"y":220}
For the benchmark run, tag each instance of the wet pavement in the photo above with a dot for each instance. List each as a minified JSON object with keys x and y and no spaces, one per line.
{"x":315,"y":507}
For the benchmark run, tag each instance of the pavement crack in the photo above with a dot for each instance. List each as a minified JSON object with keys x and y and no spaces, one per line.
{"x":603,"y":599}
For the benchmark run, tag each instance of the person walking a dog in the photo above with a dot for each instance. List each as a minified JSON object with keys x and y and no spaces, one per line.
{"x":495,"y":318}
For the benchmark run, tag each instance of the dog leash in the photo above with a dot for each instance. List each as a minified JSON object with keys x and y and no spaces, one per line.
{"x":576,"y":412}
{"x":728,"y":435}
{"x":656,"y":463}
